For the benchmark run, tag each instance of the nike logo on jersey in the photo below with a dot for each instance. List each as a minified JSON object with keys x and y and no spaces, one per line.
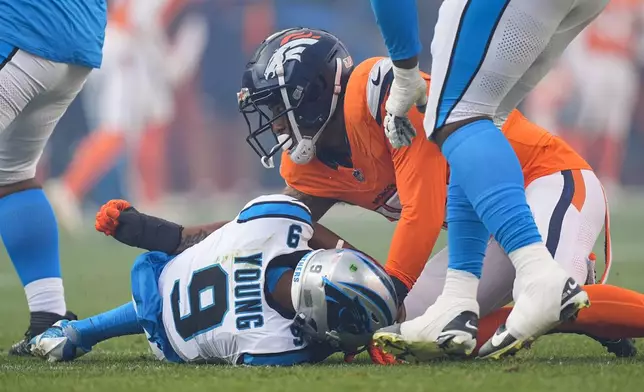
{"x":376,"y":81}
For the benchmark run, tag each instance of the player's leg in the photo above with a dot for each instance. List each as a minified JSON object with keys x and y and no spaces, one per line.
{"x":35,"y":93}
{"x":534,"y":289}
{"x":108,"y":100}
{"x":568,"y":28}
{"x":569,"y":210}
{"x":68,"y":340}
{"x":494,"y":291}
{"x":428,"y":286}
{"x":450,"y":323}
{"x":580,"y":228}
{"x":475,"y":64}
{"x":617,"y":316}
{"x":495,"y":288}
{"x":489,"y":55}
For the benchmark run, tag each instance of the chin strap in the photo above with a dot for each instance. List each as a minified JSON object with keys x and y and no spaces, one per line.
{"x":304,"y":150}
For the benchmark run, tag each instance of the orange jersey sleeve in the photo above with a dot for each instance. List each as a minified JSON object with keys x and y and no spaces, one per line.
{"x":421,"y":173}
{"x":421,"y":177}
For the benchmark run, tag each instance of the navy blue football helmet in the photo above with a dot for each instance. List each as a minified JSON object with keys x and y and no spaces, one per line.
{"x":291,"y":88}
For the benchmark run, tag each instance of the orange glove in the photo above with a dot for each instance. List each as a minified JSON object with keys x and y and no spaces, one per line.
{"x":108,"y":215}
{"x":379,"y":357}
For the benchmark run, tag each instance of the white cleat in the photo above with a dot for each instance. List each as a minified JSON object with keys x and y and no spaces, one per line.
{"x":447,"y":329}
{"x":543,"y":304}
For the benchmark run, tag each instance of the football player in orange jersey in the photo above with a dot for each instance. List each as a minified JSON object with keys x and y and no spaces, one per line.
{"x":302,"y":89}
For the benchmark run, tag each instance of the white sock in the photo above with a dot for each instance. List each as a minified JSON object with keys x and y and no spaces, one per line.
{"x":459,"y":295}
{"x":46,"y":295}
{"x":460,"y":284}
{"x":532,"y":259}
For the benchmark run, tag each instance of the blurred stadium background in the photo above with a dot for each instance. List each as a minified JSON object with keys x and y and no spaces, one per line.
{"x":186,"y":159}
{"x":191,"y":146}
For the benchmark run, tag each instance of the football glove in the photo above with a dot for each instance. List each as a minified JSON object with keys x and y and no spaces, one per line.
{"x":408,"y":89}
{"x":107,"y":217}
{"x":379,"y":357}
{"x":117,"y":218}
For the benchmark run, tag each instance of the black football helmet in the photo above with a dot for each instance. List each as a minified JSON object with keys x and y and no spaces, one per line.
{"x":297,"y":76}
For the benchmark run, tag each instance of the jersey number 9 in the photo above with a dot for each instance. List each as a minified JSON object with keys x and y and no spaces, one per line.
{"x":207,"y":301}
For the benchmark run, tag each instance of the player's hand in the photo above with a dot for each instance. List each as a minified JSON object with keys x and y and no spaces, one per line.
{"x":379,"y":357}
{"x":107,"y":217}
{"x":408,"y":89}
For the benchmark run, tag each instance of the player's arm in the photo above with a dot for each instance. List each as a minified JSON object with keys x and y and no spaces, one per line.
{"x":398,"y":22}
{"x":117,"y":218}
{"x":323,"y":238}
{"x":194,"y":235}
{"x":421,"y":178}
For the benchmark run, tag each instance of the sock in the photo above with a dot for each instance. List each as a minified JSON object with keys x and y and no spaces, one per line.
{"x":484,"y":165}
{"x":530,"y":259}
{"x":120,"y":321}
{"x":460,"y":284}
{"x":96,"y":154}
{"x":30,"y":235}
{"x":46,"y":295}
{"x":467,"y":236}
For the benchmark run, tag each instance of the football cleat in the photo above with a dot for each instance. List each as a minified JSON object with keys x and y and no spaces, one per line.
{"x":40,"y":321}
{"x":622,"y":348}
{"x":457,"y":339}
{"x":56,"y":345}
{"x":503,"y":343}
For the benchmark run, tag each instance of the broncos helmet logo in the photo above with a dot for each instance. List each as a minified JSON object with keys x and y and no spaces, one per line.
{"x":291,"y":49}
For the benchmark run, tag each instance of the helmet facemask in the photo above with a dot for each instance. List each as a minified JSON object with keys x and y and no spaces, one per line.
{"x":292,"y":103}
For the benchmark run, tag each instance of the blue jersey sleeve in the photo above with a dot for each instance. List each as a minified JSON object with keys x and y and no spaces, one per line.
{"x":398,"y":21}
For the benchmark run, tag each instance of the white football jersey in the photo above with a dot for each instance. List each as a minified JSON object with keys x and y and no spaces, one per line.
{"x":214,"y":305}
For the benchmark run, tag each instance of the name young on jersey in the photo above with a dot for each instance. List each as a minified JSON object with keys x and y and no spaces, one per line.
{"x":248,"y":292}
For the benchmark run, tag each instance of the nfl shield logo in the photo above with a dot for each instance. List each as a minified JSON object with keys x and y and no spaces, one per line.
{"x":357,"y":174}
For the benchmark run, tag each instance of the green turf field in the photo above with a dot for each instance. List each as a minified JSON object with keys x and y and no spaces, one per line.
{"x":96,"y":273}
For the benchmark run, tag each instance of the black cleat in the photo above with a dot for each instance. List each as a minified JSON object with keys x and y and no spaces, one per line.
{"x":459,"y":335}
{"x":622,"y":348}
{"x":39,"y":323}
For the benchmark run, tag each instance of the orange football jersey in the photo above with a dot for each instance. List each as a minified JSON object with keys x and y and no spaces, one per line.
{"x":408,"y":185}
